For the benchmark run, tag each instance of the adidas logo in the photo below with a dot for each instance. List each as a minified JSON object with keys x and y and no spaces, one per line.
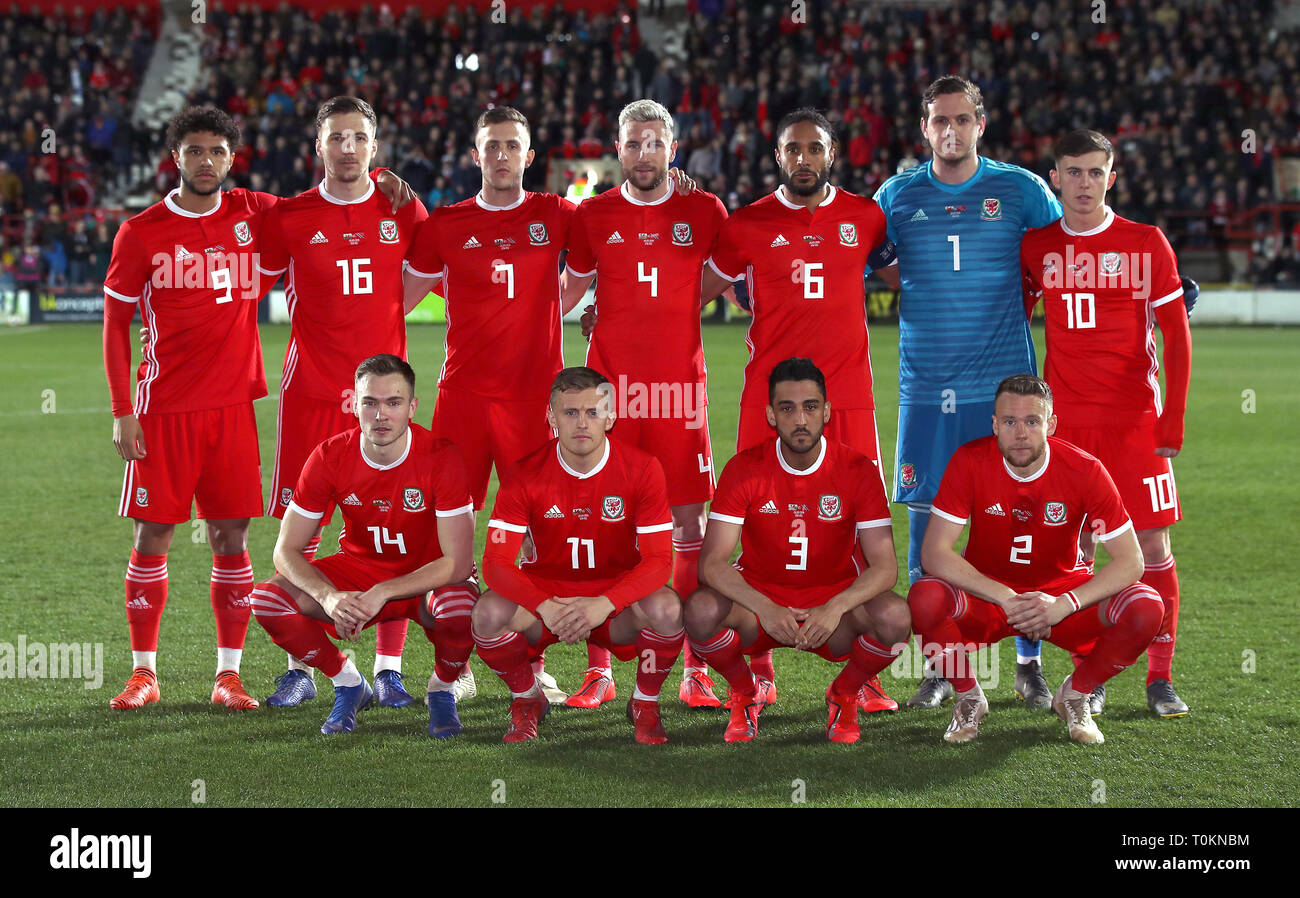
{"x":615,"y":237}
{"x":352,"y":499}
{"x":472,"y":243}
{"x":996,"y":508}
{"x":769,"y":508}
{"x":780,"y":241}
{"x":319,"y":238}
{"x":554,"y":512}
{"x":182,"y":253}
{"x":139,"y":603}
{"x":919,"y":216}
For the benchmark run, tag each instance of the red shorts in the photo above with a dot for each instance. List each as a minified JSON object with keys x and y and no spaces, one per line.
{"x":854,"y":426}
{"x":600,"y":635}
{"x":683,"y":449}
{"x":1145,"y":480}
{"x":210,"y":456}
{"x":348,"y":573}
{"x":984,"y":623}
{"x":797,"y":596}
{"x":301,"y":425}
{"x":763,"y":643}
{"x":487,"y":430}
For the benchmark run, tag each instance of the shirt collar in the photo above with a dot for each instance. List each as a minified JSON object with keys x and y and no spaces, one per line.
{"x":484,"y":204}
{"x":593,"y":472}
{"x":370,"y":191}
{"x":1106,"y":222}
{"x":170,"y":202}
{"x":627,"y":195}
{"x":1047,"y":460}
{"x":783,"y":198}
{"x":378,"y":467}
{"x":821,"y":456}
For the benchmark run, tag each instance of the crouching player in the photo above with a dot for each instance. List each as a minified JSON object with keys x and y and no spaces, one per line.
{"x":597,"y":512}
{"x":1027,"y":496}
{"x":406,"y":551}
{"x":817,"y":562}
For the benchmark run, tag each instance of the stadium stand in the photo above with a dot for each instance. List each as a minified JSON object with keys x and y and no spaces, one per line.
{"x":1180,"y":103}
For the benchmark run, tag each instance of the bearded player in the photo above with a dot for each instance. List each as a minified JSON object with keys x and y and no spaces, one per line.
{"x":803,"y":251}
{"x":1104,"y":282}
{"x":188,"y":263}
{"x":644,"y":245}
{"x":596,"y":509}
{"x":344,"y":248}
{"x":406,"y":551}
{"x":956,"y":223}
{"x":1027,"y":496}
{"x":817,"y":562}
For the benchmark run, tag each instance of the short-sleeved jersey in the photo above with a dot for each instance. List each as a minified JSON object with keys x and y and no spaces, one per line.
{"x":800,"y":528}
{"x":500,"y":275}
{"x":962,"y":326}
{"x":1024,"y":532}
{"x":344,"y":283}
{"x":804,"y":271}
{"x":1100,"y":289}
{"x":195,"y":278}
{"x":647,"y":258}
{"x":583,"y":526}
{"x":390,"y":512}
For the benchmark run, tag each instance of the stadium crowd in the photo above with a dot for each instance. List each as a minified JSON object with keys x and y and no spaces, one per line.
{"x":1178,"y":101}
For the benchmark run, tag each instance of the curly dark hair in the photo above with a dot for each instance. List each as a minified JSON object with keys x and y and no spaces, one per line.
{"x":202,"y":118}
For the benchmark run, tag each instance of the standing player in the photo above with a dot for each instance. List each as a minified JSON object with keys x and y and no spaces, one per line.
{"x":817,"y":562}
{"x":188,"y":262}
{"x":344,"y":248}
{"x":596,"y":509}
{"x":956,"y":224}
{"x":1104,"y":280}
{"x":645,"y":245}
{"x":406,"y":551}
{"x":1027,"y":497}
{"x":495,"y":259}
{"x":803,"y":251}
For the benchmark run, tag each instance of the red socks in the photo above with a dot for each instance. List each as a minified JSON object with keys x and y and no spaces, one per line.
{"x":507,"y":656}
{"x":867,"y":659}
{"x":722,"y":653}
{"x":146,"y":596}
{"x":231,"y":582}
{"x":1134,"y":615}
{"x":1163,"y":578}
{"x":452,"y":640}
{"x":656,"y":655}
{"x":933,"y":603}
{"x":686,"y":579}
{"x":290,"y":629}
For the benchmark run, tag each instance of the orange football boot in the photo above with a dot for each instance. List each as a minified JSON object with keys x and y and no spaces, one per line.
{"x":872,"y":698}
{"x":596,"y":689}
{"x":141,"y":689}
{"x":645,"y":717}
{"x":229,"y":691}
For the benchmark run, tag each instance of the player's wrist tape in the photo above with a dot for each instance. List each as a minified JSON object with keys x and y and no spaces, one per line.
{"x":1073,"y":600}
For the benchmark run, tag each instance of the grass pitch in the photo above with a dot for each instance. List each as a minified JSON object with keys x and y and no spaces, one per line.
{"x":63,"y":552}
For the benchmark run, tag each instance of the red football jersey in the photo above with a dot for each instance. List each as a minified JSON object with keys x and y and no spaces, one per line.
{"x":500,"y":270}
{"x":196,"y":280}
{"x":800,"y":528}
{"x":1024,"y":532}
{"x":584,"y":526}
{"x":344,"y":286}
{"x":807,"y":294}
{"x":1100,"y":290}
{"x":648,"y":258}
{"x":390,"y":513}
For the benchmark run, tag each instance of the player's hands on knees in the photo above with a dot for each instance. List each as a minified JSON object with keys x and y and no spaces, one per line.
{"x":588,"y":320}
{"x":128,"y":437}
{"x":550,"y":611}
{"x":581,"y":616}
{"x":349,"y":614}
{"x":817,"y":627}
{"x":782,"y":623}
{"x":1031,"y":613}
